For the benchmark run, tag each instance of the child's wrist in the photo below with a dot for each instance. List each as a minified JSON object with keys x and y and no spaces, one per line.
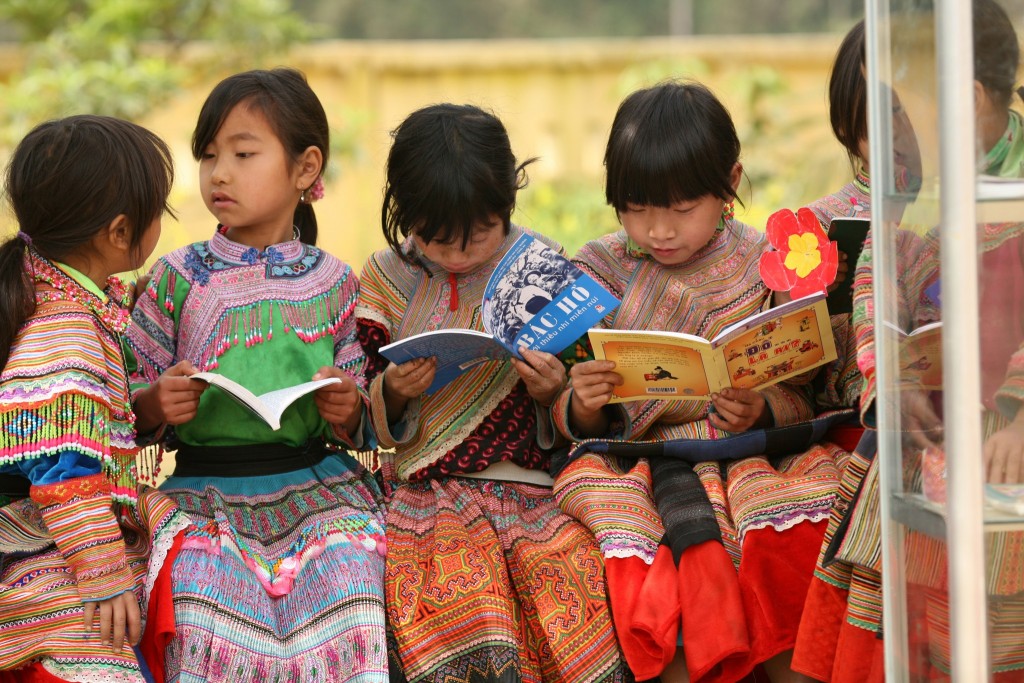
{"x":147,"y":419}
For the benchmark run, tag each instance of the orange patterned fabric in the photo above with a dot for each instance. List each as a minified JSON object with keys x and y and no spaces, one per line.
{"x":495,"y":572}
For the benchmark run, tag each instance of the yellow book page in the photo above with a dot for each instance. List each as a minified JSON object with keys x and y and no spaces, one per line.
{"x":654,"y":366}
{"x":921,"y":358}
{"x":780,"y":347}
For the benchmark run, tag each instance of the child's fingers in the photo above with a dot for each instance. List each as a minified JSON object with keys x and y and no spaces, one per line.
{"x":106,"y":622}
{"x":411,"y":379}
{"x":541,"y":361}
{"x":119,"y":623}
{"x":90,"y":615}
{"x":134,"y":619}
{"x":725,"y":418}
{"x":591,"y":367}
{"x":1013,"y":467}
{"x":415,"y":370}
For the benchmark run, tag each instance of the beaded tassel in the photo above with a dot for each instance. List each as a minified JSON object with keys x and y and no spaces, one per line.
{"x":309,"y":320}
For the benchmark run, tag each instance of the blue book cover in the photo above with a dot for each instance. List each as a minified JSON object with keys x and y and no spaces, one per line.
{"x":535,"y":298}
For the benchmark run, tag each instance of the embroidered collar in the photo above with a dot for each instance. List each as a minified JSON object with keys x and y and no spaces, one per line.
{"x":111,"y":307}
{"x":242,"y":254}
{"x":1006,"y":158}
{"x":862,"y":180}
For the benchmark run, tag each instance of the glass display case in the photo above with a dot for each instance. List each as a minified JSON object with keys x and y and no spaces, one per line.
{"x":946,"y":152}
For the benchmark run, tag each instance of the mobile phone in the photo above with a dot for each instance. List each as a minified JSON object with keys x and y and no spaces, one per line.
{"x":849,"y":235}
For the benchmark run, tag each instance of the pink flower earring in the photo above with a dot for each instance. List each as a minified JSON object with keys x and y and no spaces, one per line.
{"x":314,"y":192}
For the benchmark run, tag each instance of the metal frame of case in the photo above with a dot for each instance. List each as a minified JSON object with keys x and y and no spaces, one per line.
{"x":962,"y":522}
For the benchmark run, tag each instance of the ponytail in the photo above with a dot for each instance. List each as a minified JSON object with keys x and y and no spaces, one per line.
{"x":305,"y":221}
{"x":16,"y":297}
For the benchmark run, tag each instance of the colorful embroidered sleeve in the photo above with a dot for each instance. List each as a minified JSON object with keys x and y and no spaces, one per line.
{"x":350,"y":357}
{"x":152,"y":338}
{"x":78,"y":514}
{"x":789,"y":404}
{"x":377,"y":301}
{"x":57,"y":420}
{"x":917,"y":268}
{"x":54,"y":398}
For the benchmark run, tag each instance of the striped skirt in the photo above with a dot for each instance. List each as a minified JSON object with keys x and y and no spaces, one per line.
{"x":490,"y":581}
{"x":280,"y":577}
{"x":42,"y":620}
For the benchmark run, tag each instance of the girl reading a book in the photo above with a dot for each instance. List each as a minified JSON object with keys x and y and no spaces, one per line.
{"x":280,"y":574}
{"x":681,"y":542}
{"x":838,"y":637}
{"x":1000,"y":250}
{"x":481,"y":563}
{"x":76,"y":529}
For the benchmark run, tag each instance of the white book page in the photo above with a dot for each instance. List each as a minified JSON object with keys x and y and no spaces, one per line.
{"x":276,"y":402}
{"x":270,"y":406}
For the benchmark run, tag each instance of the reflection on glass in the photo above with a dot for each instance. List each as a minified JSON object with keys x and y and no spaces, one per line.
{"x":915,"y":289}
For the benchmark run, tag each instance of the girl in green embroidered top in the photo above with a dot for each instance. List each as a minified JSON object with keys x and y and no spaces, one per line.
{"x":283,"y":564}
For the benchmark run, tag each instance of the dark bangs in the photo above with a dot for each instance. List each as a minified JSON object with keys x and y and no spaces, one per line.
{"x":221,"y":102}
{"x":670,"y":143}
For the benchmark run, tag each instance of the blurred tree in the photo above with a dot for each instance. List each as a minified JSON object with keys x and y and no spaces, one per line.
{"x":123,"y":57}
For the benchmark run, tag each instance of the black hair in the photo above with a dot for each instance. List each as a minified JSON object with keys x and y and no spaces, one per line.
{"x":996,"y":51}
{"x":293,"y":111}
{"x":848,"y":93}
{"x":450,"y":166}
{"x":669,"y":143}
{"x":67,"y":180}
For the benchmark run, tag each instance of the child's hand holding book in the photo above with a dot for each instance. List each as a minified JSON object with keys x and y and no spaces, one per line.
{"x":338,"y":403}
{"x":173,"y":399}
{"x":593,"y":385}
{"x":737,"y":410}
{"x":542,"y":373}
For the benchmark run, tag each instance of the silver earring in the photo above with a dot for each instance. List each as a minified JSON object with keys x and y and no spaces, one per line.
{"x":295,"y":232}
{"x":302,"y":197}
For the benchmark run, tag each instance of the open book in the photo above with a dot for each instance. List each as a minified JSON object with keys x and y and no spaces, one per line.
{"x":1006,"y":497}
{"x":756,"y":352}
{"x":849,"y":235}
{"x":270,"y":406}
{"x":920,"y":360}
{"x":535,"y":298}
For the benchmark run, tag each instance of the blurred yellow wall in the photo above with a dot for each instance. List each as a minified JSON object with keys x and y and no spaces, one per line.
{"x":557,"y":99}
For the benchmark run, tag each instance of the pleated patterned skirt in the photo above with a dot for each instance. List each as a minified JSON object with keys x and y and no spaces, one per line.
{"x":280,"y":577}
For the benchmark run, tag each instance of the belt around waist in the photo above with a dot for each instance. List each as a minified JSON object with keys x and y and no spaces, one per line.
{"x":251,"y":460}
{"x":14,"y":486}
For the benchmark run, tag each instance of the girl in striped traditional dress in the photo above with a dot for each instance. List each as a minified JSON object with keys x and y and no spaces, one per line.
{"x":723,"y":547}
{"x":280,"y":575}
{"x":487,"y":580}
{"x":76,"y":530}
{"x":838,"y":639}
{"x":1000,"y":253}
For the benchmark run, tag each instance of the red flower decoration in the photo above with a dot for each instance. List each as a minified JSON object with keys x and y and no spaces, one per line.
{"x":803,"y":260}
